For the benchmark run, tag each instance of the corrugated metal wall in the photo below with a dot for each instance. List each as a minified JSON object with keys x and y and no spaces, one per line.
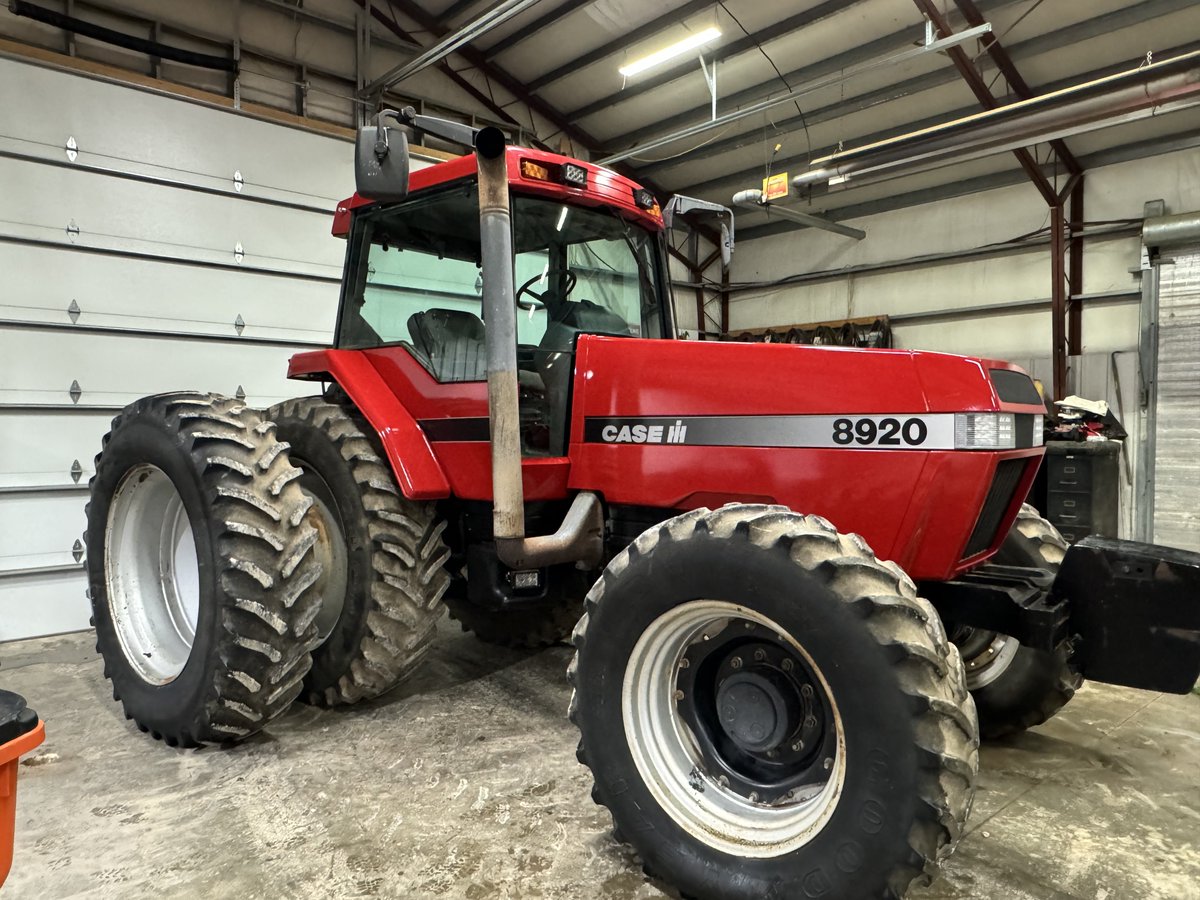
{"x":1177,"y":413}
{"x":178,"y":247}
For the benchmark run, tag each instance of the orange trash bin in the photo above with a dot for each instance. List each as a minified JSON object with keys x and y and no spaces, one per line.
{"x":20,"y":732}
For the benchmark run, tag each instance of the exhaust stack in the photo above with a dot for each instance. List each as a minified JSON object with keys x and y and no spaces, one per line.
{"x":580,"y":537}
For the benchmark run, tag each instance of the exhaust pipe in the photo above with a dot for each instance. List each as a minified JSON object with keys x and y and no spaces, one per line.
{"x":580,"y":538}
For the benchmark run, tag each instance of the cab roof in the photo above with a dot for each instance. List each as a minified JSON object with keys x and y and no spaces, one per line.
{"x":603,"y":187}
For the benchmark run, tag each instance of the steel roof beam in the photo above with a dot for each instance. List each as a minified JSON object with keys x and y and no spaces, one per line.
{"x":707,"y":125}
{"x":1183,"y":140}
{"x":882,"y":46}
{"x":614,"y":46}
{"x":1018,"y":84}
{"x":444,"y":67}
{"x":986,"y":98}
{"x":304,"y":15}
{"x":538,"y":24}
{"x":687,"y":64}
{"x":451,"y":40}
{"x":1032,"y":47}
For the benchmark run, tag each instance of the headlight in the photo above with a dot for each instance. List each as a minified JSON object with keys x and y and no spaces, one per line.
{"x":985,"y":431}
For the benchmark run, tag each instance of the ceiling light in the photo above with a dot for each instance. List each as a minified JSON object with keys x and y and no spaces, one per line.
{"x":691,"y":42}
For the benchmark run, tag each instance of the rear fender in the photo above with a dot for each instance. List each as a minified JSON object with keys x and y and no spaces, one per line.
{"x":417,"y":470}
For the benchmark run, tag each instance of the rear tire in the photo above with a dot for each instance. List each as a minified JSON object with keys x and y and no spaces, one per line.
{"x":881,"y":778}
{"x":200,"y":568}
{"x":1017,"y":687}
{"x":383,"y":605}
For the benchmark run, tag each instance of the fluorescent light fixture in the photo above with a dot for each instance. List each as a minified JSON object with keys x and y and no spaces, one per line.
{"x":691,"y":42}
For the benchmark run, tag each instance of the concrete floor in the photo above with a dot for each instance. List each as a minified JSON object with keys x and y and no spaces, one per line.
{"x":463,"y":784}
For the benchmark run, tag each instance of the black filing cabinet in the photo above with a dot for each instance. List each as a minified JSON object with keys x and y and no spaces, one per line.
{"x":1082,"y":487}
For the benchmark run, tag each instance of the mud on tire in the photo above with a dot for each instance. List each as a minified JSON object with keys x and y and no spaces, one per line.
{"x":895,"y":732}
{"x":381,"y":615}
{"x":200,"y":568}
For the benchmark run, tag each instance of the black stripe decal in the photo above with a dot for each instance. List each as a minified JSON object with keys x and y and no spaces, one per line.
{"x":464,"y":429}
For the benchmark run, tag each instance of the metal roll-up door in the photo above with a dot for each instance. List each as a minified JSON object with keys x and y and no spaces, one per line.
{"x":1173,"y":243}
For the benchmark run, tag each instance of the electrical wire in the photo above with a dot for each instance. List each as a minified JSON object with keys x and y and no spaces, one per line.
{"x":767,"y":57}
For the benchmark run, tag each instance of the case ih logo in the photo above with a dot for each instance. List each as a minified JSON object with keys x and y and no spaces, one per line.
{"x":616,"y":433}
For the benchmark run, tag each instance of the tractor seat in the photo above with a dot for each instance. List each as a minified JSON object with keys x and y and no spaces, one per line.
{"x":452,"y":343}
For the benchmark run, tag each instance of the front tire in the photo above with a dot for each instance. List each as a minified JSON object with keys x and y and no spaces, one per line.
{"x":802,"y":732}
{"x":200,"y":568}
{"x":384,"y":553}
{"x":1017,"y":687}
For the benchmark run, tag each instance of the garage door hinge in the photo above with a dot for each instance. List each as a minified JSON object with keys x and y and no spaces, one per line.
{"x":76,"y":471}
{"x":72,"y":148}
{"x":238,"y":181}
{"x":76,"y":392}
{"x":239,"y":324}
{"x":77,"y":550}
{"x":73,"y":311}
{"x":72,"y":230}
{"x":238,"y":252}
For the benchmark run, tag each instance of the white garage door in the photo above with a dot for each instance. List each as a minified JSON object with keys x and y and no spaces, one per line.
{"x":1177,"y":427}
{"x":170,"y":246}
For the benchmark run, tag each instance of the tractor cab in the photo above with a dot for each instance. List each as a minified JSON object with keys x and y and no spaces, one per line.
{"x":588,"y":258}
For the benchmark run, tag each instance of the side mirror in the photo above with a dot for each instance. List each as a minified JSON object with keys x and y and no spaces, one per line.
{"x":381,"y":162}
{"x":678,"y":205}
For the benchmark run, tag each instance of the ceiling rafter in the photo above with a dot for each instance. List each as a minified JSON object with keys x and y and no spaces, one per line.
{"x":745,"y":44}
{"x":434,"y":26}
{"x":882,"y":46}
{"x":642,"y":32}
{"x":1016,"y":82}
{"x":1098,"y":26}
{"x":988,"y":100}
{"x":444,"y":67}
{"x":537,"y":25}
{"x":749,"y":175}
{"x":1188,"y":139}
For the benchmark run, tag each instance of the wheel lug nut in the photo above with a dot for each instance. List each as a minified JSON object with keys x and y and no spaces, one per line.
{"x":736,"y":662}
{"x":798,"y":746}
{"x":806,"y":691}
{"x":810,"y":721}
{"x":760,"y":655}
{"x":828,"y":762}
{"x":788,"y":665}
{"x":754,"y":796}
{"x":723,"y":781}
{"x":684,"y":663}
{"x":678,"y":695}
{"x":771,"y":754}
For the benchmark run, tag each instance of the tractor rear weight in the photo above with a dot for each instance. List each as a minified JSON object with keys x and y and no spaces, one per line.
{"x":1127,"y":609}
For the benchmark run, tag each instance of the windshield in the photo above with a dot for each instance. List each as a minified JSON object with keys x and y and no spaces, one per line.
{"x":415,"y":279}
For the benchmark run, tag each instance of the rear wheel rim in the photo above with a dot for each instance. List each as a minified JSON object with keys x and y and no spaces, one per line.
{"x":152,"y":574}
{"x":330,"y":550}
{"x":986,"y":655}
{"x":666,"y":709}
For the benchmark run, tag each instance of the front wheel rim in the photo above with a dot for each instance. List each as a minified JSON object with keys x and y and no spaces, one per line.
{"x":717,"y":799}
{"x":152,"y":574}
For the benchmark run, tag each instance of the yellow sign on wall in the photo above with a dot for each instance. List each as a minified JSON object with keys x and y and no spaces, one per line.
{"x":776,"y":186}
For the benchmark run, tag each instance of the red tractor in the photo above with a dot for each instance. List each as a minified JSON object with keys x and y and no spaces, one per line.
{"x":800,"y":581}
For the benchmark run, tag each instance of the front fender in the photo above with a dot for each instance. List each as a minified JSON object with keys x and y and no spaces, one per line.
{"x":417,"y":470}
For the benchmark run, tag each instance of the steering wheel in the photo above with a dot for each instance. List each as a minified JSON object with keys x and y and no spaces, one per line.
{"x":539,"y":300}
